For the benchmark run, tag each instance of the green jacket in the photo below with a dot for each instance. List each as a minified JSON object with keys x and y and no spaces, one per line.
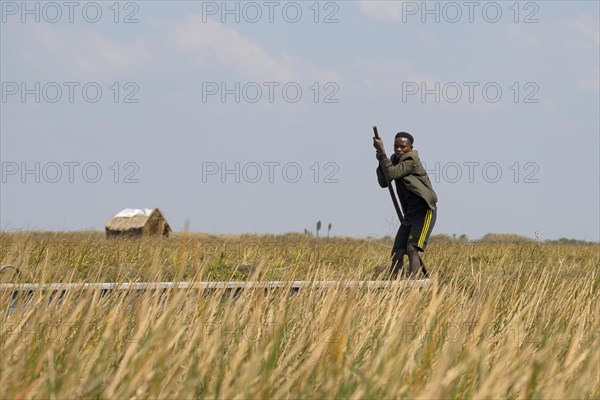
{"x":410,"y":172}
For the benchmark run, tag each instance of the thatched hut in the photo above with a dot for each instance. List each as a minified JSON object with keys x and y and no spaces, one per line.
{"x":136,"y":223}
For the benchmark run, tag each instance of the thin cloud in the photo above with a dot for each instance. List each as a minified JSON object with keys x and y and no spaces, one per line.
{"x":382,"y":10}
{"x":55,"y":52}
{"x":576,"y":39}
{"x":82,"y":55}
{"x":209,"y":42}
{"x":386,"y":78}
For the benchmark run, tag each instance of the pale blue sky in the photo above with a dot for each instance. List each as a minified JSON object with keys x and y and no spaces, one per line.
{"x":543,"y":131}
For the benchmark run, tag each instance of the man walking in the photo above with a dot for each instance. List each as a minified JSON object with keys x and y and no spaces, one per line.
{"x":417,"y":198}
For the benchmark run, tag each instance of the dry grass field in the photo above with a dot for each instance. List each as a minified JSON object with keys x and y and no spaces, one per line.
{"x":498,"y":321}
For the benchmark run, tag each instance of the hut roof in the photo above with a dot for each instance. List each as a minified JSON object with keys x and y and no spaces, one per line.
{"x":131,"y":218}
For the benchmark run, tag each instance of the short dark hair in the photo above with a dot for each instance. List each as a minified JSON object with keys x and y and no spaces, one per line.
{"x":406,"y":135}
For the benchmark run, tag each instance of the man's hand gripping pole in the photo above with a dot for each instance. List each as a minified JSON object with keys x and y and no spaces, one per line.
{"x":391,"y":189}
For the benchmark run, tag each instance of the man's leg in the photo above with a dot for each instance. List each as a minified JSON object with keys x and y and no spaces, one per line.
{"x":397,"y":261}
{"x":414,"y":261}
{"x":399,"y":250}
{"x":417,"y":240}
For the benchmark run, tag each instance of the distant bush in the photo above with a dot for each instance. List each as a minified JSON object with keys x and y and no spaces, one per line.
{"x":297,"y":235}
{"x":505,"y":238}
{"x":441,"y":238}
{"x":569,"y":241}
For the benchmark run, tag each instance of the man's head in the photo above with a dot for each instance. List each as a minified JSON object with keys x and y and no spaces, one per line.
{"x":403,"y":143}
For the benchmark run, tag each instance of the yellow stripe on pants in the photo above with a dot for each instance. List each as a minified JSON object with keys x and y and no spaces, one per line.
{"x":425,"y":228}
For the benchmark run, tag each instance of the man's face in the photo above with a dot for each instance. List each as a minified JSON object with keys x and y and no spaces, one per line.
{"x":402,"y":146}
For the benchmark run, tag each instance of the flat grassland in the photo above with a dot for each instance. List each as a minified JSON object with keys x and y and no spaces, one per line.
{"x":513,"y":320}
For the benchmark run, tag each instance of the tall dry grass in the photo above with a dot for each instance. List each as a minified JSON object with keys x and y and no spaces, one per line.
{"x":506,"y":321}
